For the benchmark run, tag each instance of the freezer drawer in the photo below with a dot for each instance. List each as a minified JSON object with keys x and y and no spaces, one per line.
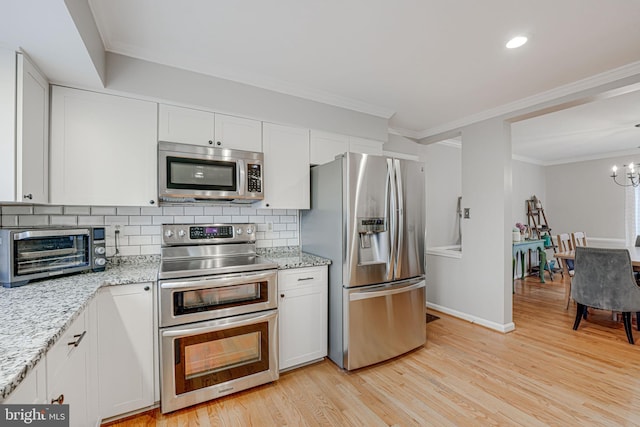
{"x":384,"y":321}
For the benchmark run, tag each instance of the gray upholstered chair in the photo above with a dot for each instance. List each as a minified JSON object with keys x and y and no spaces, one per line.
{"x":604,"y":279}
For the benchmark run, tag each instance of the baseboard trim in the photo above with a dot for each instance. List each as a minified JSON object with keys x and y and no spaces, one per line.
{"x":504,"y":328}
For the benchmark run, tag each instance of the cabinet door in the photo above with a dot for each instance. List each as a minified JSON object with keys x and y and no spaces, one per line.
{"x":326,"y":146}
{"x":365,"y":146}
{"x":67,"y":366}
{"x":32,"y":389}
{"x":125,"y":348}
{"x":238,"y":133}
{"x":103,"y":149}
{"x":302,"y":309}
{"x":185,"y":125}
{"x":286,"y":167}
{"x":32,"y":134}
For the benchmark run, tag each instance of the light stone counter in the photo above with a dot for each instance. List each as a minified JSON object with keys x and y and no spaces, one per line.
{"x":292,"y":257}
{"x":34,"y":316}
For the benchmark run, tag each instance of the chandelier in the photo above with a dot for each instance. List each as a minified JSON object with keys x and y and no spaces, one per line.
{"x":632,"y":176}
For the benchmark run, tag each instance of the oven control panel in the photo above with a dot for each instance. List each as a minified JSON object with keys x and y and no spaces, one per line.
{"x":190,"y":234}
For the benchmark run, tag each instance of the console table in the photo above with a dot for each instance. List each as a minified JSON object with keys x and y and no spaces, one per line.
{"x":523,"y":248}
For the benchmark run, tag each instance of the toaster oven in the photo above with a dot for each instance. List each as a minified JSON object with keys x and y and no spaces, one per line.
{"x":34,"y":253}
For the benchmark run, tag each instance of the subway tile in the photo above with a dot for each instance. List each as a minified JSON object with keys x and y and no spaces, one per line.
{"x":221,"y":218}
{"x":150,"y":230}
{"x":140,"y":220}
{"x":63,"y":220}
{"x":213,"y":210}
{"x":264,"y":211}
{"x":150,"y":250}
{"x":140,"y":240}
{"x":111,"y":251}
{"x":287,"y":235}
{"x":258,"y":219}
{"x":159,"y":220}
{"x":172,"y":210}
{"x":31,"y":220}
{"x":230,"y":210}
{"x":247,"y":211}
{"x":47,"y":210}
{"x":90,"y":220}
{"x":9,"y":220}
{"x":292,"y":212}
{"x":238,"y":219}
{"x":103,"y":210}
{"x":147,"y":210}
{"x":130,"y":230}
{"x":288,"y":219}
{"x":114,"y":219}
{"x":156,"y":239}
{"x":203,"y":219}
{"x":17,"y":210}
{"x":262,"y":227}
{"x":129,"y":250}
{"x":279,"y":212}
{"x":272,"y":218}
{"x":279,"y":242}
{"x":183,"y":220}
{"x":293,"y":242}
{"x":76,"y":210}
{"x":128,"y":210}
{"x":194,"y":210}
{"x":279,"y":227}
{"x":259,"y":235}
{"x":292,"y":227}
{"x":271,"y":235}
{"x":264,"y":243}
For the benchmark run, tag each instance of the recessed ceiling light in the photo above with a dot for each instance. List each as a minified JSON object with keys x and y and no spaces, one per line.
{"x":516,"y":42}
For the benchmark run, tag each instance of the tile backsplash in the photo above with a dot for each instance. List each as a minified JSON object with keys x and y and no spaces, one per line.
{"x":140,"y":227}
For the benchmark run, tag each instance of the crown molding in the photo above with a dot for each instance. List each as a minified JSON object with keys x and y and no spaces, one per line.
{"x":407,"y":133}
{"x":612,"y":154}
{"x":527,"y":160}
{"x":450,"y":143}
{"x":550,"y":95}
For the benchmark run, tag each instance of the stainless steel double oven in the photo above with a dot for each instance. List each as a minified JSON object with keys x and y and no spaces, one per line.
{"x":218,"y":318}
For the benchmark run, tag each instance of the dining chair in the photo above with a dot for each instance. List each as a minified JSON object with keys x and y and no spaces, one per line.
{"x":604,"y":280}
{"x":564,"y":245}
{"x":579,"y":238}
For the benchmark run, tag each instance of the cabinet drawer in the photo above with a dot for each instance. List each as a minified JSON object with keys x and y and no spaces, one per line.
{"x":296,"y":277}
{"x":62,"y":350}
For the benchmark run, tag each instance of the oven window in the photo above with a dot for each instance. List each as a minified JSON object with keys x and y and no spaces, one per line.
{"x":50,"y":254}
{"x":201,"y":174}
{"x":217,"y":357}
{"x":199,"y":300}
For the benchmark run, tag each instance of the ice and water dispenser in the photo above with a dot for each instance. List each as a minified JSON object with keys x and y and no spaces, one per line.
{"x":374,"y":245}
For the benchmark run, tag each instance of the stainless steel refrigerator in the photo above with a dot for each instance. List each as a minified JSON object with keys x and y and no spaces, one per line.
{"x":367,"y":216}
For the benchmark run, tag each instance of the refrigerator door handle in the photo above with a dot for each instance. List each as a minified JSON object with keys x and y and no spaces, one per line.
{"x":392,"y":220}
{"x":399,"y":220}
{"x":375,"y":293}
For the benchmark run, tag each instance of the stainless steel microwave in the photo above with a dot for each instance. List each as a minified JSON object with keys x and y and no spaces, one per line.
{"x":34,"y":253}
{"x":196,"y":172}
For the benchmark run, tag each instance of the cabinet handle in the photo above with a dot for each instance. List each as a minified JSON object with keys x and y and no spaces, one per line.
{"x":59,"y":400}
{"x":152,"y":202}
{"x":305,"y":278}
{"x":78,"y":339}
{"x":28,"y":196}
{"x":146,"y":288}
{"x":281,"y":295}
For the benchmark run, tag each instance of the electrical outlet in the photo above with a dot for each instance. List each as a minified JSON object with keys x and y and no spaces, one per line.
{"x":467,"y":213}
{"x":269,"y":226}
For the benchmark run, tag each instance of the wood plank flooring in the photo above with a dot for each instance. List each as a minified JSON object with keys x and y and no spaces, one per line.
{"x":543,"y":373}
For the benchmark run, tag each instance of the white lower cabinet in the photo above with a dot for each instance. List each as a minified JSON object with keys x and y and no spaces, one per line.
{"x":125,"y":349}
{"x":33,"y":388}
{"x":302,"y":310}
{"x":69,"y":372}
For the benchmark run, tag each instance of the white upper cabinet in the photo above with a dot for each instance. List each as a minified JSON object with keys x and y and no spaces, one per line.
{"x":103,"y":149}
{"x":25,"y":164}
{"x":286,"y":167}
{"x":326,"y":146}
{"x":190,"y":126}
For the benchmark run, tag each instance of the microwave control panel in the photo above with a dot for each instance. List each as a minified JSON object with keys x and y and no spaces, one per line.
{"x":254,"y":178}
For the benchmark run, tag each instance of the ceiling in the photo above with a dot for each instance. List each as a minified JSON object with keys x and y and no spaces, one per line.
{"x":423,"y":64}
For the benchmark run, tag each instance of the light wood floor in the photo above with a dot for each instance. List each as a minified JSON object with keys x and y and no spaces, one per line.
{"x":543,"y":373}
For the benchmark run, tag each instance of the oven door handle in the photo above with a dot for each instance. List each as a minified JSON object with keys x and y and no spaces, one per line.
{"x":215,"y":283}
{"x":220,"y":325}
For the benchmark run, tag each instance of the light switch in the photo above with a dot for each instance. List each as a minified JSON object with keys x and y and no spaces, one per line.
{"x":466,"y":213}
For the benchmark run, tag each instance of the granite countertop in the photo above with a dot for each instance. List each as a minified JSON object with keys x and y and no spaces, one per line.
{"x":292,"y":257}
{"x":34,"y":316}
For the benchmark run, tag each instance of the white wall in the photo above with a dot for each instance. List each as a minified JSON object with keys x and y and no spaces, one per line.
{"x":582,"y":196}
{"x":174,"y":85}
{"x":443,"y":163}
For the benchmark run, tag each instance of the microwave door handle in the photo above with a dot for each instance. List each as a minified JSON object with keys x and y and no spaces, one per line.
{"x":241,"y":176}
